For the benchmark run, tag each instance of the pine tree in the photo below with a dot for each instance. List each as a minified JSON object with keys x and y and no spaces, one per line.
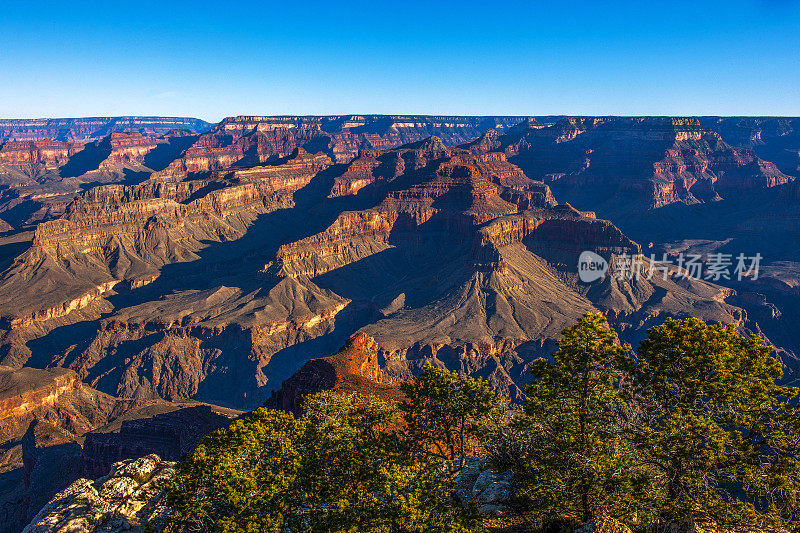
{"x":443,"y":412}
{"x":580,"y":466}
{"x":717,"y":429}
{"x":338,"y":468}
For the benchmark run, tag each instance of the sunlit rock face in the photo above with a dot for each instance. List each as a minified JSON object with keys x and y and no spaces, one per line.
{"x":354,"y":368}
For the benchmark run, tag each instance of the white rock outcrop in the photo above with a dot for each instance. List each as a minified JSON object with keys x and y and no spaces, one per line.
{"x":129,"y":498}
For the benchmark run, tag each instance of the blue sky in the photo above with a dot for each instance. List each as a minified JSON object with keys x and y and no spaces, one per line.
{"x":215,"y":59}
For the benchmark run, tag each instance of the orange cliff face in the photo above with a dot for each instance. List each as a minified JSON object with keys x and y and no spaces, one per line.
{"x":353,"y":369}
{"x":128,"y":147}
{"x":55,"y":394}
{"x":47,"y":152}
{"x":24,"y":391}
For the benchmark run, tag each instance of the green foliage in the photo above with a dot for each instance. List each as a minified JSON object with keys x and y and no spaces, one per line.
{"x":715,"y":427}
{"x":242,"y":478}
{"x":335,"y":469}
{"x":507,"y":442}
{"x":695,"y":429}
{"x":580,"y":465}
{"x":443,"y":411}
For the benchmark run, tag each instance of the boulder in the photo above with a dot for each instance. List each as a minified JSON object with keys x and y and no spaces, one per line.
{"x":490,"y":490}
{"x":129,"y":498}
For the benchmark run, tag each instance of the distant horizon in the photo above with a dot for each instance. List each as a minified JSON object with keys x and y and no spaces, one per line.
{"x":443,"y":115}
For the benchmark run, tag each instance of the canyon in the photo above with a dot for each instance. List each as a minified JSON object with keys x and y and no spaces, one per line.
{"x":160,"y":276}
{"x":55,"y":429}
{"x":91,"y":129}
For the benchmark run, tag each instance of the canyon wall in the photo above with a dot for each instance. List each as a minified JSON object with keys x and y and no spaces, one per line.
{"x":90,"y":129}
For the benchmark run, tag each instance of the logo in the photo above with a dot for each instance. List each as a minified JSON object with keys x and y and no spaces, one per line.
{"x":591,"y":267}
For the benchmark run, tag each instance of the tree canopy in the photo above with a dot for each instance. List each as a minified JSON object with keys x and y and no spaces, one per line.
{"x":334,"y":469}
{"x":692,"y":427}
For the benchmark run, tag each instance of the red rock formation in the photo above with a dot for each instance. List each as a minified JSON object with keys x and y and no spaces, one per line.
{"x":129,"y":147}
{"x":258,"y":139}
{"x":635,"y":163}
{"x":55,"y":394}
{"x":45,"y":151}
{"x":561,"y":229}
{"x":354,"y":368}
{"x":449,"y":256}
{"x":450,"y":188}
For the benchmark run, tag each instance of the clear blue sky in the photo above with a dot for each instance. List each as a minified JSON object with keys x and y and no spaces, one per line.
{"x":221,"y":58}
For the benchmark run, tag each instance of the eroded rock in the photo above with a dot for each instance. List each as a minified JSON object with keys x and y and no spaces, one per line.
{"x":128,"y":499}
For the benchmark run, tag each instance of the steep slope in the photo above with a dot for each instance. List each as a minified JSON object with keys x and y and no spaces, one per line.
{"x":54,"y":429}
{"x":53,"y":457}
{"x":619,"y":164}
{"x":354,"y":368}
{"x":38,"y":179}
{"x":253,"y":140}
{"x":55,"y":400}
{"x":775,"y":139}
{"x":223,"y":286}
{"x":54,"y":394}
{"x":460,"y":277}
{"x":126,"y":233}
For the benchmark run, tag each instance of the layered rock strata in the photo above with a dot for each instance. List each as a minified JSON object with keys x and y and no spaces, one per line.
{"x":119,"y":233}
{"x":647,"y":162}
{"x":353,"y":369}
{"x":90,"y":129}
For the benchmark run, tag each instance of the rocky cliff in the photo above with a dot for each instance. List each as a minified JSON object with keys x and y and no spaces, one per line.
{"x":220,"y":285}
{"x":252,"y":140}
{"x":130,"y":497}
{"x":41,"y":414}
{"x":214,"y":267}
{"x":41,"y":177}
{"x":630,"y":164}
{"x":463,"y":277}
{"x":119,"y":233}
{"x":447,"y":189}
{"x":354,"y":368}
{"x":90,"y":129}
{"x":54,"y":394}
{"x":45,"y":152}
{"x":775,"y":139}
{"x":170,"y":430}
{"x":55,"y":451}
